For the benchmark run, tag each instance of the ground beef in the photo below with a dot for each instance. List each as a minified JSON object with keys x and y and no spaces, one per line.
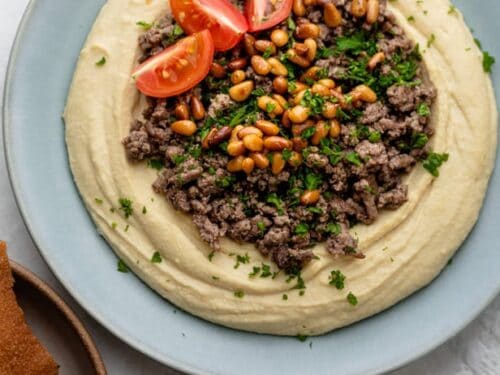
{"x":358,"y":172}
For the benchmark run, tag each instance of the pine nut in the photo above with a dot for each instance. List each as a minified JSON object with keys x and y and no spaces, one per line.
{"x":250,"y":130}
{"x":281,"y":100}
{"x":280,"y":85}
{"x":197,"y":108}
{"x":279,"y":37}
{"x":300,"y":48}
{"x":247,"y":165}
{"x":299,"y":86}
{"x":285,"y":119}
{"x":234,"y":133}
{"x":260,"y":65}
{"x":206,"y":142}
{"x":238,"y":76}
{"x":375,"y":60}
{"x":299,"y":144}
{"x":217,"y":70}
{"x":296,"y":59}
{"x":241,"y":91}
{"x":277,"y":68}
{"x":312,"y":48}
{"x":358,"y":8}
{"x":236,"y":164}
{"x":299,"y":8}
{"x":261,"y":161}
{"x":295,"y":159}
{"x":333,"y":17}
{"x":310,"y":197}
{"x":269,"y":105}
{"x":322,"y":130}
{"x":310,"y":74}
{"x":265,"y":46}
{"x":237,"y":64}
{"x":236,"y":148}
{"x":182,"y":111}
{"x":372,"y":11}
{"x":297,"y":99}
{"x":223,"y":134}
{"x":184,"y":127}
{"x":329,"y":110}
{"x":320,"y":90}
{"x":364,"y":93}
{"x":335,"y":129}
{"x":307,"y":30}
{"x":267,"y":127}
{"x":249,"y":44}
{"x":327,"y":82}
{"x":298,"y":129}
{"x":253,"y":142}
{"x":298,"y":114}
{"x":278,"y":163}
{"x":276,"y":143}
{"x":309,"y":3}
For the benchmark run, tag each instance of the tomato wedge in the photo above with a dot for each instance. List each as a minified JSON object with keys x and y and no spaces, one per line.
{"x":222,"y":18}
{"x":264,"y":14}
{"x":178,"y":68}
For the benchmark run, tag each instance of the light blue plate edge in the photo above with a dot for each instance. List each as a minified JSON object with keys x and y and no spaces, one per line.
{"x":103,"y":320}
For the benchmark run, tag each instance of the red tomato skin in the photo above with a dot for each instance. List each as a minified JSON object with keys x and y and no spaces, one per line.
{"x":226,"y":34}
{"x":251,"y":6}
{"x":150,"y":82}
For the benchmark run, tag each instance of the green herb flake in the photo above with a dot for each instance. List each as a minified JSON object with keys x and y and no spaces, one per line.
{"x":352,"y":299}
{"x":126,"y":207}
{"x":156,"y":258}
{"x":302,"y":338}
{"x":301,"y":229}
{"x":284,"y":297}
{"x":423,"y":110}
{"x":122,"y":267}
{"x":211,"y":255}
{"x":98,"y":201}
{"x":488,"y":62}
{"x":155,"y":164}
{"x":276,"y":201}
{"x":101,"y":62}
{"x":434,"y":161}
{"x":144,"y":25}
{"x":241,"y":259}
{"x":337,"y":279}
{"x":239,"y":293}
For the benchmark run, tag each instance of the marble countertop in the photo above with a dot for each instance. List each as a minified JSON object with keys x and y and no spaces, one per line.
{"x":476,"y":350}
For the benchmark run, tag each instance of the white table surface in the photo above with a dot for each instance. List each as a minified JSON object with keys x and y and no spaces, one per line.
{"x":476,"y":350}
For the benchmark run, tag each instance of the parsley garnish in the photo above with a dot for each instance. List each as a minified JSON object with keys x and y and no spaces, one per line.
{"x":239,"y":293}
{"x":434,"y":161}
{"x":241,"y":259}
{"x":155,"y":164}
{"x":101,"y":62}
{"x":301,"y":229}
{"x":276,"y":201}
{"x":352,"y":299}
{"x":126,"y":207}
{"x":337,"y":279}
{"x":122,"y":267}
{"x":156,"y":258}
{"x":144,"y":25}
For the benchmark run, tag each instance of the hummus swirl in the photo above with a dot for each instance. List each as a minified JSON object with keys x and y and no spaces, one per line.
{"x":405,"y":249}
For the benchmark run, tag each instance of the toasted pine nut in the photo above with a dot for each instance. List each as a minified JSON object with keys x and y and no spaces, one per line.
{"x":285,"y":119}
{"x":300,"y":48}
{"x":375,"y":60}
{"x":241,"y":91}
{"x":182,"y":111}
{"x":327,"y":82}
{"x":278,"y":163}
{"x":320,"y":90}
{"x":281,"y":100}
{"x":279,"y":37}
{"x":217,"y":70}
{"x":248,"y":164}
{"x":184,"y":127}
{"x":249,"y":43}
{"x":329,"y":110}
{"x":253,"y":142}
{"x":234,"y":133}
{"x":261,"y":161}
{"x":236,"y":148}
{"x":307,"y":30}
{"x":238,"y":76}
{"x":299,"y":144}
{"x":260,"y":65}
{"x":269,"y":105}
{"x":197,"y":108}
{"x":299,"y":8}
{"x":265,"y":46}
{"x":276,"y":143}
{"x":364,"y":93}
{"x":309,"y":3}
{"x":222,"y":134}
{"x":297,"y":99}
{"x":333,"y":18}
{"x":298,"y":129}
{"x":250,"y":130}
{"x":237,"y":64}
{"x":277,"y":68}
{"x":299,"y":86}
{"x":310,"y":74}
{"x":310,"y":197}
{"x":295,"y":159}
{"x":206,"y":142}
{"x":312,"y":48}
{"x":322,"y":130}
{"x":298,"y":114}
{"x":280,"y":85}
{"x":334,"y":129}
{"x":267,"y":127}
{"x":236,"y":164}
{"x":358,"y":8}
{"x":296,"y":59}
{"x":372,"y":11}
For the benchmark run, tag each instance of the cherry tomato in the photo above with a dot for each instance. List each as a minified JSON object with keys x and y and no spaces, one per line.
{"x":222,"y":18}
{"x":264,"y":14}
{"x":178,"y":68}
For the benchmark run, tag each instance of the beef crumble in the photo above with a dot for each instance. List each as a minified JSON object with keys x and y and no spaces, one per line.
{"x":352,"y":173}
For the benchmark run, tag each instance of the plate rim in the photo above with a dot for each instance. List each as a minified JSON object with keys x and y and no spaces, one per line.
{"x":21,"y":273}
{"x":166,"y":360}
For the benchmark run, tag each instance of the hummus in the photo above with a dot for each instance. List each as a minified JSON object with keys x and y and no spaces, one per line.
{"x":405,"y":249}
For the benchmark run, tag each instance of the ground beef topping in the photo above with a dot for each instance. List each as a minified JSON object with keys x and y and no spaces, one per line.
{"x":299,"y":133}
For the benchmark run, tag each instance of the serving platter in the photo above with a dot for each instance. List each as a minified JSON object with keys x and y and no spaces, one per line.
{"x":43,"y":59}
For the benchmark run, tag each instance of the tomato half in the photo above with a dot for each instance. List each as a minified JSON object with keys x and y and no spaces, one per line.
{"x":222,"y":18}
{"x":264,"y":14}
{"x":178,"y":68}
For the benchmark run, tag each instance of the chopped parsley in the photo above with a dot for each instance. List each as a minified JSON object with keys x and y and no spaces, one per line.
{"x":144,"y":25}
{"x":337,"y":279}
{"x":423,"y":110}
{"x":434,"y":161}
{"x":126,"y":207}
{"x":239,"y":293}
{"x":211,"y":255}
{"x":101,"y":62}
{"x":144,"y":210}
{"x":155,"y":164}
{"x":488,"y":62}
{"x":301,"y":229}
{"x":276,"y":202}
{"x":302,"y":338}
{"x":353,"y":157}
{"x":419,"y":140}
{"x":156,"y":258}
{"x":98,"y":201}
{"x":241,"y":259}
{"x":122,"y":267}
{"x":352,"y":299}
